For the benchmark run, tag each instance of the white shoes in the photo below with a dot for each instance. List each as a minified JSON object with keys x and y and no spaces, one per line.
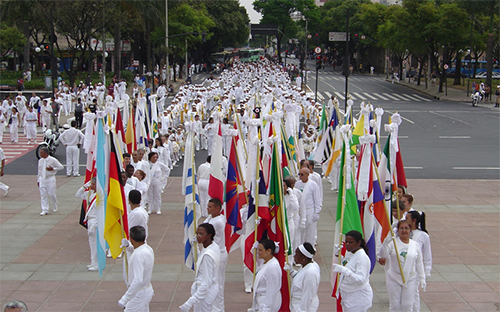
{"x":7,"y":191}
{"x":248,"y":290}
{"x":43,"y":213}
{"x":158,"y":212}
{"x":92,"y":268}
{"x":76,"y":175}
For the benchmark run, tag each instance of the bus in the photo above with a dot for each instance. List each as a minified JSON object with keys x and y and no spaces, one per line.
{"x":481,"y":67}
{"x":251,"y":55}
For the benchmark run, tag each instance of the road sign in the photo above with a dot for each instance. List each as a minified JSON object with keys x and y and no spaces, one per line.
{"x":317,"y":50}
{"x":336,"y":36}
{"x":446,"y":66}
{"x":309,"y":36}
{"x":363,"y":37}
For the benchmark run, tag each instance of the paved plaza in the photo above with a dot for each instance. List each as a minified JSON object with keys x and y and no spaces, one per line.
{"x":43,"y":259}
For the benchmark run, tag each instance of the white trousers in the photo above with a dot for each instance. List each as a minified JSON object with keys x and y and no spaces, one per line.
{"x":295,"y":304}
{"x":357,"y":301}
{"x":13,"y":132}
{"x":2,"y":128}
{"x":204,"y":198}
{"x":154,"y":195}
{"x":247,"y":274}
{"x":401,"y":298}
{"x":45,"y":123}
{"x":210,"y":140}
{"x":48,"y":193}
{"x":92,"y":233}
{"x":219,"y":301}
{"x":67,"y":107}
{"x":310,"y":230}
{"x":3,"y":187}
{"x":203,"y":141}
{"x":72,"y":159}
{"x":30,"y":130}
{"x":140,"y":302}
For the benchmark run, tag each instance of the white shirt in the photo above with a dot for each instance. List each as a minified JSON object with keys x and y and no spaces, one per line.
{"x":219,"y":224}
{"x":204,"y":171}
{"x":72,"y":137}
{"x":310,"y":196}
{"x":268,"y":285}
{"x":140,"y":269}
{"x":316,"y":177}
{"x":359,"y":264}
{"x":304,"y":287}
{"x":138,"y":216}
{"x":43,"y":163}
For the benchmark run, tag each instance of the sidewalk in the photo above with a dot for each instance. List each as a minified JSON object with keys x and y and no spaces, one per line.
{"x":43,"y":259}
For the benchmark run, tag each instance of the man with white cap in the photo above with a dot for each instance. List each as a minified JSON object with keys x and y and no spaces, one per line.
{"x":72,"y":138}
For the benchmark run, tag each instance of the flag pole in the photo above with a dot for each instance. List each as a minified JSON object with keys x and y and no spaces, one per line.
{"x":195,"y":220}
{"x":256,"y":202}
{"x":241,"y":133}
{"x":389,"y":220}
{"x":239,"y":170}
{"x":341,"y":215}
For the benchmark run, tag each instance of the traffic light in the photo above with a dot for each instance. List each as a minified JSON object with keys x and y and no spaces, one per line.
{"x":345,"y":66}
{"x":318,"y":62}
{"x":46,"y":47}
{"x":356,"y":39}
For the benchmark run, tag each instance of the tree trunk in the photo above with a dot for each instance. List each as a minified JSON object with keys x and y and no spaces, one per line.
{"x":148,"y":46}
{"x":26,"y":55}
{"x":118,"y":52}
{"x":420,"y":64}
{"x":458,"y":71}
{"x":489,"y":59}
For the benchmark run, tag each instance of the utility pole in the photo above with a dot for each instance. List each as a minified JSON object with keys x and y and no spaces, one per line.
{"x":346,"y":61}
{"x":166,"y":44}
{"x":53,"y":65}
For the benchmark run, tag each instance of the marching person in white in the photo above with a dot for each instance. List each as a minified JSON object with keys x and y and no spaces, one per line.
{"x":419,"y":234}
{"x":46,"y":180}
{"x":3,"y":187}
{"x":218,"y":220}
{"x":87,"y":192}
{"x":267,"y":284}
{"x":138,"y":214}
{"x":311,"y":201}
{"x":158,"y":173}
{"x":72,"y":138}
{"x":316,"y":177}
{"x":2,"y":122}
{"x":354,"y":284}
{"x":140,"y":269}
{"x":304,"y":289}
{"x":292,"y":210}
{"x":30,"y":128}
{"x":203,"y":180}
{"x":198,"y":129}
{"x":209,"y":133}
{"x":46,"y":112}
{"x":206,"y":282}
{"x":402,"y":295}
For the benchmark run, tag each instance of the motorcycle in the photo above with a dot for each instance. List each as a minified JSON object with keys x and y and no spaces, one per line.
{"x":476,"y":97}
{"x":50,"y":140}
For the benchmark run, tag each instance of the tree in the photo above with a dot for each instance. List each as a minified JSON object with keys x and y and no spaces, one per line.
{"x":231,"y":24}
{"x":277,"y":12}
{"x":11,"y":40}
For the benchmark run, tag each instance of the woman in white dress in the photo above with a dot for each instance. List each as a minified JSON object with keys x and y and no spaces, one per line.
{"x":304,"y":290}
{"x":205,"y":286}
{"x":13,"y":125}
{"x":402,"y":293}
{"x":420,"y":235}
{"x":158,"y":173}
{"x":267,"y":284}
{"x":354,"y":284}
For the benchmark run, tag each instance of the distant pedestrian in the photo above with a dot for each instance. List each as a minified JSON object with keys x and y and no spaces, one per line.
{"x":73,"y":139}
{"x":46,"y":180}
{"x":3,"y":187}
{"x":497,"y":93}
{"x":13,"y":124}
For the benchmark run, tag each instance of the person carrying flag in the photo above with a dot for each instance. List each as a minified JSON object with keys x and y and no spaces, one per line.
{"x":304,"y":289}
{"x":88,"y":192}
{"x":311,"y":201}
{"x":354,"y":285}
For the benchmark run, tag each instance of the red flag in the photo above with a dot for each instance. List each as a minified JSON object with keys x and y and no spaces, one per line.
{"x":400,"y":169}
{"x":120,"y":132}
{"x":216,"y":181}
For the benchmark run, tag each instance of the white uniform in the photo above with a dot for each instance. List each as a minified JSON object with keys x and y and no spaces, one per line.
{"x":292,"y":210}
{"x":13,"y":127}
{"x":311,"y":201}
{"x":424,"y":242}
{"x":209,"y":133}
{"x":140,"y":269}
{"x":204,"y":177}
{"x":158,"y":173}
{"x":219,"y":224}
{"x":206,"y":282}
{"x":138,"y":216}
{"x":31,"y":120}
{"x":402,"y":296}
{"x":71,"y":138}
{"x":3,"y":187}
{"x":304,"y":289}
{"x":46,"y":112}
{"x":354,"y":285}
{"x":267,"y":287}
{"x":47,"y":182}
{"x":91,"y":218}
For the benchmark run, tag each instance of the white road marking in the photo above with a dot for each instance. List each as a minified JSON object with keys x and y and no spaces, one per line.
{"x":371,"y":97}
{"x":340,"y":95}
{"x":400,"y":97}
{"x":452,"y":118}
{"x":422,"y":98}
{"x":390,"y":96}
{"x":399,"y":137}
{"x":414,"y":167}
{"x":328,"y":94}
{"x":359,"y":95}
{"x":407,"y":120}
{"x":454,"y":137}
{"x":381,"y":96}
{"x":411,"y":97}
{"x":476,"y":168}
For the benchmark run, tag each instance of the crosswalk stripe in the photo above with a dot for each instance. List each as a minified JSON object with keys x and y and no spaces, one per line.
{"x":399,"y":97}
{"x":381,"y":96}
{"x":340,"y":95}
{"x":422,"y":98}
{"x":371,"y":97}
{"x":390,"y":96}
{"x":411,"y":97}
{"x":359,"y":95}
{"x":328,"y":94}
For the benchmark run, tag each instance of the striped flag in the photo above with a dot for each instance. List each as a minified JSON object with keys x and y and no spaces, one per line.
{"x":216,"y":182}
{"x":191,"y":203}
{"x":102,"y":171}
{"x":130,"y":139}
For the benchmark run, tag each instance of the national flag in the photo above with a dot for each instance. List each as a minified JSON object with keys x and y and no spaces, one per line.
{"x":400,"y":169}
{"x":191,"y":203}
{"x":235,"y":199}
{"x":116,"y":226}
{"x":216,"y":182}
{"x":130,"y":139}
{"x":102,"y":171}
{"x":348,"y":217}
{"x":336,"y":144}
{"x":89,"y":171}
{"x":324,"y":149}
{"x":120,"y":132}
{"x":278,"y":230}
{"x":154,"y":115}
{"x":385,"y":174}
{"x":257,"y":198}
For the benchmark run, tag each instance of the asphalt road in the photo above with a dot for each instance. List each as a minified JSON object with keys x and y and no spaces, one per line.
{"x":438,"y":140}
